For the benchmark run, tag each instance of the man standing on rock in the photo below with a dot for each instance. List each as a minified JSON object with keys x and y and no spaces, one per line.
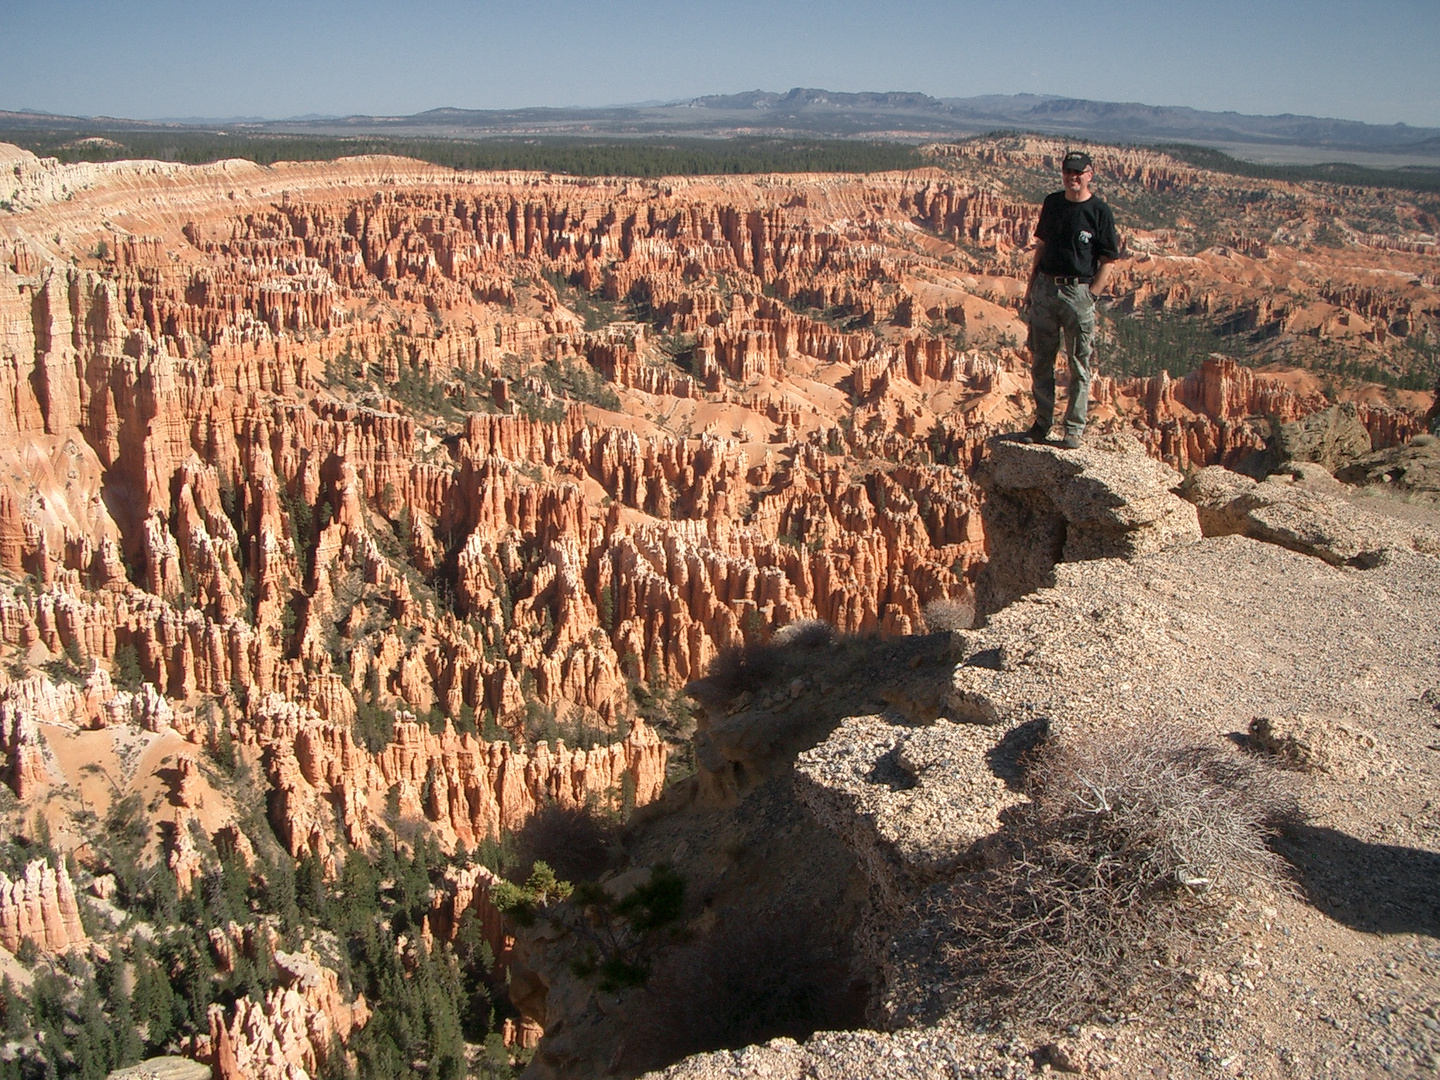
{"x":1076,"y":242}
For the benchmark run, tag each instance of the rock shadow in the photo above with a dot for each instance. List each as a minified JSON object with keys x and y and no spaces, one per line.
{"x":170,"y":776}
{"x":783,"y":972}
{"x":889,"y":772}
{"x":1009,"y":759}
{"x":1375,"y":888}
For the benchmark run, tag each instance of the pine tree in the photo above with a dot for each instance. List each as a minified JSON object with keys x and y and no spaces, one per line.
{"x":153,"y":1001}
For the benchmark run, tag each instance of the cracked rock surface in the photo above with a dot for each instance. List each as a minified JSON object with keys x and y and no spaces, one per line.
{"x":1046,"y":505}
{"x":1301,"y":518}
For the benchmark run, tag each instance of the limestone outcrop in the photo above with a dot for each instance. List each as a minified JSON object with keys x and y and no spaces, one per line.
{"x":1045,"y":506}
{"x":1199,"y":613}
{"x":912,"y":803}
{"x":915,"y":805}
{"x":1411,"y":468}
{"x":1296,"y":516}
{"x":1332,"y":437}
{"x":1232,"y":638}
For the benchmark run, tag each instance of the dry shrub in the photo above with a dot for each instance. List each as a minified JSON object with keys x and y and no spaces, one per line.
{"x":943,"y":616}
{"x":803,"y":634}
{"x":1119,"y":871}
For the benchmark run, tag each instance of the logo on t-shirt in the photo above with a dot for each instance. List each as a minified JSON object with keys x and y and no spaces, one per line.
{"x":1085,"y":235}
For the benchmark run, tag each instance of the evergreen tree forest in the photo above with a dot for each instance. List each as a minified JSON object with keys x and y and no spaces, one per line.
{"x":148,"y":990}
{"x":650,"y":156}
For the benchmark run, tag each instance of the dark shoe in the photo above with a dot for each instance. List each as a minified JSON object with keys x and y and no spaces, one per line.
{"x":1036,"y":434}
{"x":1070,"y":442}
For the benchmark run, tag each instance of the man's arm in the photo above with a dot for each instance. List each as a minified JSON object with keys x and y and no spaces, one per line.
{"x":1102,"y":272}
{"x":1034,"y":269}
{"x":1043,"y":228}
{"x":1107,"y":251}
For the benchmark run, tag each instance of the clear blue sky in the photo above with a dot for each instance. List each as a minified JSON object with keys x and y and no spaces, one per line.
{"x":1362,"y":61}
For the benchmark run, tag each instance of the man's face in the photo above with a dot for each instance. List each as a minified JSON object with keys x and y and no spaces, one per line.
{"x":1077,"y":181}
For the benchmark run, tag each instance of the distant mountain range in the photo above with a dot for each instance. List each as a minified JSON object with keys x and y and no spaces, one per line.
{"x":825,"y":113}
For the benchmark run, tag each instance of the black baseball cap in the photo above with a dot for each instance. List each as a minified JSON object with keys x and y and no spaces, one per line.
{"x":1076,"y":161}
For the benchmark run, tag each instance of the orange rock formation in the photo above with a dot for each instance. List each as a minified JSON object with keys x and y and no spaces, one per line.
{"x":39,"y":906}
{"x":290,"y":1034}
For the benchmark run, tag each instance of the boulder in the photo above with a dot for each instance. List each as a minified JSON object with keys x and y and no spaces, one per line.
{"x":1332,"y":437}
{"x":913,"y":803}
{"x":1412,"y":468}
{"x":1044,"y":505}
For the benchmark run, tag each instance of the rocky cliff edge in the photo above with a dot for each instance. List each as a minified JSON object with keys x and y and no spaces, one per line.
{"x":1294,"y":613}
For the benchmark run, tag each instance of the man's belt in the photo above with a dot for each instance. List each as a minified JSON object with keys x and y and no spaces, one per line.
{"x":1060,"y":279}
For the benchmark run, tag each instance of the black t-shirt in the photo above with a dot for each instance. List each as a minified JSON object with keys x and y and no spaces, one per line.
{"x":1075,"y":235}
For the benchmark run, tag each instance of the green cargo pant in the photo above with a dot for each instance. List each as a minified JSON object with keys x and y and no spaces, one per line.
{"x":1055,"y":309}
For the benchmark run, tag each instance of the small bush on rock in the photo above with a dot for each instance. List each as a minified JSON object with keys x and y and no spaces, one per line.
{"x":1118,"y":871}
{"x":804,"y":634}
{"x":616,"y":937}
{"x":943,"y":616}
